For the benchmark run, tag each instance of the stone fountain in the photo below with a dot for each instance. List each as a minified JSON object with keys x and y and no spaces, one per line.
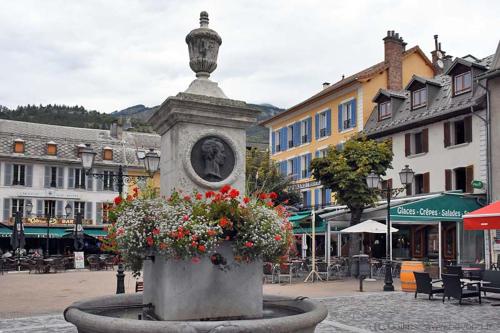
{"x":203,"y":146}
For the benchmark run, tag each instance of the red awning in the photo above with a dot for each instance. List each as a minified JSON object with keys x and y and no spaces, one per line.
{"x":484,"y":218}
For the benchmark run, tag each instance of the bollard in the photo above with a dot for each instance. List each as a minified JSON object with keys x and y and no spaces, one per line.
{"x":361,"y":278}
{"x":120,"y":280}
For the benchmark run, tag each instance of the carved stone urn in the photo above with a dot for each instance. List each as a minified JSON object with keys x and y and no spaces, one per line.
{"x":203,"y":44}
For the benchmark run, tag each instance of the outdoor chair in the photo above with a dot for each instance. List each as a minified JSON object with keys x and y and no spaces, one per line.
{"x":493,"y":277}
{"x":109,"y":263}
{"x":455,"y":270}
{"x":453,"y":287}
{"x":268,"y":270}
{"x":94,"y":263}
{"x":285,"y":270}
{"x":58,"y":265}
{"x":322,"y":269}
{"x":425,"y":285}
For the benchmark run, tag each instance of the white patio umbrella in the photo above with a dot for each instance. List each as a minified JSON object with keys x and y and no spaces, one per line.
{"x":369,"y":226}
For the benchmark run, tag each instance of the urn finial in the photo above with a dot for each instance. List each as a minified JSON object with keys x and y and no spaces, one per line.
{"x":203,"y":45}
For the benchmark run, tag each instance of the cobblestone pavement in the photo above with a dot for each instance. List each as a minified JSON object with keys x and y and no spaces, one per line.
{"x":369,"y":312}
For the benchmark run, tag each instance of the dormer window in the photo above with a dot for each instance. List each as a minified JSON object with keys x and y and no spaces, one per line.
{"x":462,"y":83}
{"x":107,"y":154}
{"x":419,"y":98}
{"x":51,"y":148}
{"x":18,"y":146}
{"x":384,"y":110}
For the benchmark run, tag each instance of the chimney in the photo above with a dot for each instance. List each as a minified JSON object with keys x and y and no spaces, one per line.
{"x":326,"y":85}
{"x":116,"y":129}
{"x":438,"y":56}
{"x":394,"y":46}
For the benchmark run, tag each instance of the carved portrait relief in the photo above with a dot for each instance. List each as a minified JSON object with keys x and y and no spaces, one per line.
{"x":212,"y":159}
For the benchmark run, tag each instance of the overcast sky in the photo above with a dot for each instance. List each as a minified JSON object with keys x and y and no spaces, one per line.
{"x":109,"y":55}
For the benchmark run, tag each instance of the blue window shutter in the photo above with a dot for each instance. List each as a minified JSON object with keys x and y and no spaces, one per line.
{"x":328,"y":122}
{"x":46,"y":178}
{"x":285,"y":138}
{"x":273,"y":142}
{"x":317,"y":195}
{"x":283,"y":167}
{"x":353,"y":113}
{"x":296,"y":134}
{"x":309,"y":129}
{"x":308,"y":165}
{"x":340,"y":117}
{"x":299,"y":171}
{"x":316,"y":126}
{"x":308,"y":198}
{"x":328,"y":196}
{"x":8,"y":175}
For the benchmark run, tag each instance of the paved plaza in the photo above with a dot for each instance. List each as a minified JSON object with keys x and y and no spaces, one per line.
{"x":349,"y":310}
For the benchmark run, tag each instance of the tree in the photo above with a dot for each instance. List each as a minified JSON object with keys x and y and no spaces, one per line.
{"x":262,"y":175}
{"x":344,"y":172}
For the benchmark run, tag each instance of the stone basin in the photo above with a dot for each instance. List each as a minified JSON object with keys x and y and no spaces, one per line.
{"x":120,"y":313}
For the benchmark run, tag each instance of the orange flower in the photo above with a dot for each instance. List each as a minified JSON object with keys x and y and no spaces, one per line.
{"x":270,"y":204}
{"x":224,"y":222}
{"x":202,"y":248}
{"x":225,"y":189}
{"x":211,"y":232}
{"x":277,"y":237}
{"x":129,"y":198}
{"x":163,"y":246}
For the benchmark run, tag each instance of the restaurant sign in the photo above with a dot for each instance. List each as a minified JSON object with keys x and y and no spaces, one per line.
{"x":300,"y":186}
{"x":445,"y":207}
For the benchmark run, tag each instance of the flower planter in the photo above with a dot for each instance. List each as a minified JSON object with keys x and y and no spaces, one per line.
{"x":184,"y":290}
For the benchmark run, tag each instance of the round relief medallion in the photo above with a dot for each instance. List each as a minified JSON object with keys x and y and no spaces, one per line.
{"x":212,"y":159}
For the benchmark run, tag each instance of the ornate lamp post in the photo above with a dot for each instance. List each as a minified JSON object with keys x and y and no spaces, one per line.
{"x":151,"y":162}
{"x":373,"y":181}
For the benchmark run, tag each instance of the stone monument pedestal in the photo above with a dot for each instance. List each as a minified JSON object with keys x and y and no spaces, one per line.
{"x":183,"y":290}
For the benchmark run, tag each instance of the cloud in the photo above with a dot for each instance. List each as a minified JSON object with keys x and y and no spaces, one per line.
{"x":108,"y":55}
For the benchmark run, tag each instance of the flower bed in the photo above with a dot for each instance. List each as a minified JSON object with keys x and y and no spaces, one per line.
{"x":191,"y":226}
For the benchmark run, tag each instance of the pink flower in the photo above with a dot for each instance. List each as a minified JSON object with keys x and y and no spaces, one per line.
{"x":248,"y":244}
{"x":185,"y":218}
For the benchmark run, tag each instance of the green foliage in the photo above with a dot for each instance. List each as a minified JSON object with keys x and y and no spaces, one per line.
{"x":263,"y":176}
{"x":345,"y":171}
{"x":63,"y":115}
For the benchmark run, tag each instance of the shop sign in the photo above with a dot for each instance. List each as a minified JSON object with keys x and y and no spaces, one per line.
{"x":304,"y":185}
{"x":79,"y":260}
{"x":427,"y":212}
{"x":477,"y":184}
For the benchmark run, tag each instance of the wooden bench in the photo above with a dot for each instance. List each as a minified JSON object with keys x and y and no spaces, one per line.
{"x":139,"y":286}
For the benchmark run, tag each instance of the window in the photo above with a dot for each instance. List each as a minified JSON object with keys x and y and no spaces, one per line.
{"x":108,"y":180}
{"x":17,"y":206}
{"x":19,"y":174}
{"x":347,"y":121}
{"x":79,"y":207}
{"x":462,"y":83}
{"x":19,"y":146}
{"x":79,"y":178}
{"x":458,"y":131}
{"x":304,"y":166}
{"x":320,"y":196}
{"x":107,"y":154}
{"x":417,"y":143}
{"x":384,"y":110}
{"x":53,"y":177}
{"x":322,"y":124}
{"x":290,"y":136}
{"x":277,"y":136}
{"x":49,"y":208}
{"x":419,"y":184}
{"x":460,"y":179}
{"x":322,"y":153}
{"x":305,"y":198}
{"x":290,"y":167}
{"x":52,"y":148}
{"x":419,"y":98}
{"x":304,"y":131}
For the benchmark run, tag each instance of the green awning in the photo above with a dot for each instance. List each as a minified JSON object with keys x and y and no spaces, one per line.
{"x":446,"y":207}
{"x":302,"y":223}
{"x":95,"y":232}
{"x":34,"y":232}
{"x":299,"y":216}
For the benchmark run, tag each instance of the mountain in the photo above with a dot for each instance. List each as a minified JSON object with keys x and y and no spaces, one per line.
{"x":135,"y":118}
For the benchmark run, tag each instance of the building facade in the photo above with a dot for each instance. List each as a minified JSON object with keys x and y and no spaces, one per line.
{"x":339,"y":111}
{"x":40,"y":164}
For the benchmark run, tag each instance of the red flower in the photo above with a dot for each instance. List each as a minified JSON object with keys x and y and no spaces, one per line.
{"x":248,"y":244}
{"x":129,"y":198}
{"x":202,"y":248}
{"x":273,"y":196}
{"x":225,"y":189}
{"x":187,"y":198}
{"x":149,"y":240}
{"x":135,"y":189}
{"x":246,"y":200}
{"x":199,"y":196}
{"x":194,"y":237}
{"x":285,"y":202}
{"x":194,"y":244}
{"x":118,"y":200}
{"x":277,"y":237}
{"x":185,"y":218}
{"x":270,"y":203}
{"x":163,"y":246}
{"x":234,"y":193}
{"x":156,"y":231}
{"x":211,"y":232}
{"x":224,"y":222}
{"x":263,"y":196}
{"x":209,"y":194}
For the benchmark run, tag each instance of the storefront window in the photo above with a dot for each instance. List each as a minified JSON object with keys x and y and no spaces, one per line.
{"x":433,"y":242}
{"x":472,"y":245}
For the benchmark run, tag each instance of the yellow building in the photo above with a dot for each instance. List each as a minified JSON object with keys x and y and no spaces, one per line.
{"x":338,"y":111}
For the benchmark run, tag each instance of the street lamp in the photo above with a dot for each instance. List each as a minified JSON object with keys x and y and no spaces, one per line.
{"x":67,"y":210}
{"x":29,"y":208}
{"x":151,"y":161}
{"x":373,"y":180}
